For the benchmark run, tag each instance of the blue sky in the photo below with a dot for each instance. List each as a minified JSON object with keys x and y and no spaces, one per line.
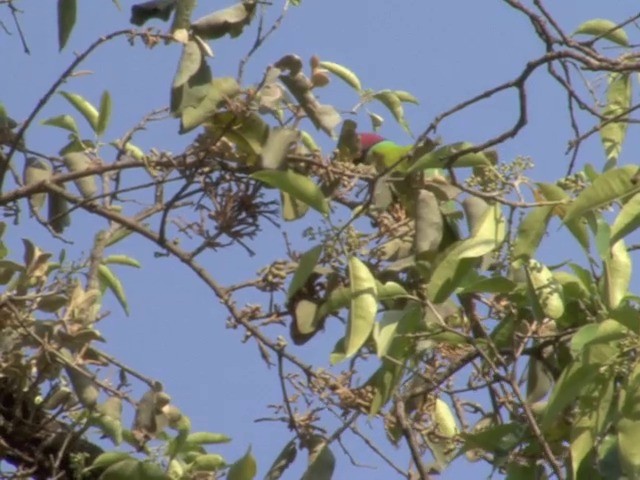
{"x":442,"y":52}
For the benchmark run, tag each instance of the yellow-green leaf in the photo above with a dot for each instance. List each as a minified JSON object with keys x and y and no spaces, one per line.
{"x":618,"y":102}
{"x":343,"y":73}
{"x":105,"y":113}
{"x":600,"y":27}
{"x":298,"y":186}
{"x":67,"y":10}
{"x":86,"y":109}
{"x":364,"y":306}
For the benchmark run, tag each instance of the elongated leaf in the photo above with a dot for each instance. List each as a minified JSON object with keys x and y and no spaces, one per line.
{"x":86,"y":109}
{"x":66,"y":122}
{"x":67,"y":10}
{"x":277,"y":146}
{"x":546,"y":292}
{"x":393,"y":103}
{"x":218,"y":91}
{"x":343,"y":73}
{"x":569,"y":386}
{"x":244,"y":469}
{"x":438,"y":158}
{"x":121,"y":259}
{"x":600,"y":27}
{"x":112,"y":282}
{"x":189,"y":64}
{"x":628,"y":220}
{"x":617,"y":274}
{"x":105,"y":113}
{"x":307,"y":263}
{"x":530,"y":232}
{"x":577,"y":226}
{"x":618,"y":102}
{"x":282,"y":461}
{"x":429,"y":223}
{"x":364,"y":306}
{"x":322,"y":463}
{"x":298,"y":186}
{"x":612,"y":185}
{"x":628,"y":441}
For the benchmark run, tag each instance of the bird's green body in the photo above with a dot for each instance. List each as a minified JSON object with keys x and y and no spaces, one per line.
{"x":387,"y":155}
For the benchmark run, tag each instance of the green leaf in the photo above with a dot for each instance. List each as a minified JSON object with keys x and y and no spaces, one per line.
{"x":385,"y":330}
{"x":107,"y":459}
{"x":489,"y":285}
{"x":628,"y":220}
{"x":243,"y":469}
{"x":86,"y":109}
{"x":190,"y":62}
{"x":120,"y":259}
{"x":438,"y":158}
{"x":612,"y":185}
{"x":307,"y":263}
{"x":364,"y":306}
{"x":545,"y":290}
{"x":182,"y":17}
{"x":343,"y":73}
{"x":530,"y":232}
{"x":499,"y":439}
{"x":230,"y":20}
{"x":618,"y":102}
{"x":628,"y":441}
{"x":67,"y":10}
{"x":393,"y":103}
{"x":298,"y":186}
{"x":406,"y":97}
{"x":66,"y":122}
{"x":577,"y":226}
{"x":292,"y":209}
{"x":207,"y":438}
{"x":429,"y":223}
{"x":600,"y":27}
{"x":105,"y":113}
{"x":217,"y":92}
{"x":457,"y":260}
{"x":572,"y":381}
{"x":322,"y":464}
{"x":142,"y":12}
{"x":617,"y":274}
{"x":277,"y":146}
{"x":112,"y":282}
{"x":284,"y":459}
{"x":84,"y":388}
{"x":209,"y":462}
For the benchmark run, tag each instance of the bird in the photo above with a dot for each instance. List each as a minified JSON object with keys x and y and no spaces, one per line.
{"x":383,"y":154}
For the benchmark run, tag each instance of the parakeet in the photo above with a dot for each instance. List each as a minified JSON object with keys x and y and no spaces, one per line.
{"x":384,"y":154}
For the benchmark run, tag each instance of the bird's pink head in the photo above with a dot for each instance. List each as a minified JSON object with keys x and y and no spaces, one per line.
{"x":368,"y":140}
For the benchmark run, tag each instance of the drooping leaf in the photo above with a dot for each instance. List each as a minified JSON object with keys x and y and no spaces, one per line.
{"x":612,"y":185}
{"x":438,"y":158}
{"x":390,"y":99}
{"x":292,"y":209}
{"x":298,"y":186}
{"x":613,"y":133}
{"x":277,"y":146}
{"x":577,"y":226}
{"x":182,"y":17}
{"x":545,"y":291}
{"x":429,"y":223}
{"x":306,"y":322}
{"x":364,"y":306}
{"x":600,"y":27}
{"x":219,"y":90}
{"x":530,"y":232}
{"x":321,"y":462}
{"x":189,"y":64}
{"x":105,"y":113}
{"x":67,"y":10}
{"x":617,"y":274}
{"x":141,"y":12}
{"x":628,"y":441}
{"x":196,"y":85}
{"x":628,"y":220}
{"x":307,"y":263}
{"x":58,"y":214}
{"x":86,"y":109}
{"x":84,"y":388}
{"x":282,"y":461}
{"x":113,"y":283}
{"x":244,"y":469}
{"x":230,"y":20}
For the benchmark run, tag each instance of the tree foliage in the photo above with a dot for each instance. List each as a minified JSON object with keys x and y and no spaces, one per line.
{"x":429,"y":260}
